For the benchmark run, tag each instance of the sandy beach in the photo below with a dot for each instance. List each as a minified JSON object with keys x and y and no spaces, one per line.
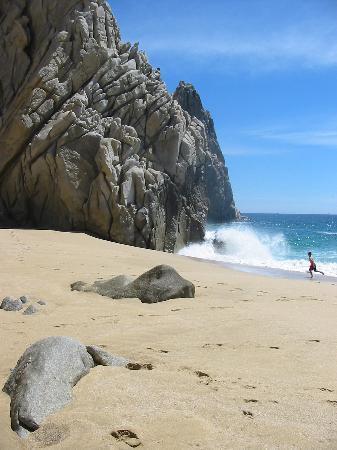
{"x":249,"y":363}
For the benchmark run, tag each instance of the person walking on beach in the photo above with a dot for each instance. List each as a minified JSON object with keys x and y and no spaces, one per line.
{"x":313,"y":267}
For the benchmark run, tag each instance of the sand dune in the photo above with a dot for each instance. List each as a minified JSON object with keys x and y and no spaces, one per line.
{"x":249,"y":363}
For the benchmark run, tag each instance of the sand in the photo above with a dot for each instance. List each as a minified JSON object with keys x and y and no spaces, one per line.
{"x":251,"y":362}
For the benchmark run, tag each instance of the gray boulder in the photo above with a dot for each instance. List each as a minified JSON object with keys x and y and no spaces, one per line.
{"x":42,"y":380}
{"x":103,"y":358}
{"x":11,"y":304}
{"x":117,"y":287}
{"x":44,"y":376}
{"x":30,"y":310}
{"x":157,"y":285}
{"x":162,"y":283}
{"x":24,"y":299}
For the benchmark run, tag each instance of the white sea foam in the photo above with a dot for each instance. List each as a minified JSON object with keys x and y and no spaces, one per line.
{"x":241,"y":244}
{"x":327,"y":233}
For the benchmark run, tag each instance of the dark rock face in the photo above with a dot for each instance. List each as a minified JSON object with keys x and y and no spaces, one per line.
{"x":44,"y":376}
{"x":157,"y":285}
{"x":221,"y":205}
{"x":91,"y":140}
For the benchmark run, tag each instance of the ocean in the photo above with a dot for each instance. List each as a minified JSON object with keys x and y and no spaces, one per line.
{"x":272,"y":241}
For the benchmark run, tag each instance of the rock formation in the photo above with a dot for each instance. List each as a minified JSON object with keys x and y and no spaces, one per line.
{"x":91,"y":140}
{"x":42,"y":381}
{"x":159,"y":284}
{"x":221,"y":206}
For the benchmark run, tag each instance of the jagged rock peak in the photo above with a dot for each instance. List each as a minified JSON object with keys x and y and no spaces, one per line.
{"x":221,"y":205}
{"x":91,"y":140}
{"x":189,"y":99}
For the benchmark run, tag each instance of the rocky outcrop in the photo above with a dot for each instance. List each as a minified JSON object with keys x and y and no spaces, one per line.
{"x":91,"y":140}
{"x":221,"y":206}
{"x":159,"y":284}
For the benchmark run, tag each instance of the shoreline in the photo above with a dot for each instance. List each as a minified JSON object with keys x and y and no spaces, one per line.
{"x":268,"y":271}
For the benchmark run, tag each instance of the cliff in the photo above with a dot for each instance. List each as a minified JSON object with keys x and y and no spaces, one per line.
{"x":90,"y":139}
{"x":221,"y":205}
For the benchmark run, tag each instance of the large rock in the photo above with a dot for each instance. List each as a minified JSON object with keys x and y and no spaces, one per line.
{"x":90,"y":138}
{"x":162,"y":283}
{"x":157,"y":285}
{"x":44,"y":376}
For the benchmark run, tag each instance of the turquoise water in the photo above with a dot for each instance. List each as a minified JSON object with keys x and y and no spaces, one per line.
{"x":276,"y":241}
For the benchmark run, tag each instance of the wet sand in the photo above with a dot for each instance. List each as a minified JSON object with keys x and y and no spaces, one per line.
{"x":249,"y":363}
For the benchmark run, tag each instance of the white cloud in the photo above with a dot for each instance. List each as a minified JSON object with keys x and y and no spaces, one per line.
{"x":318,"y":138}
{"x":229,"y":150}
{"x":308,"y":39}
{"x":270,"y":53}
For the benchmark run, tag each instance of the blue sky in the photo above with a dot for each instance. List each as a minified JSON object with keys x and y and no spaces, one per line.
{"x":267,"y":72}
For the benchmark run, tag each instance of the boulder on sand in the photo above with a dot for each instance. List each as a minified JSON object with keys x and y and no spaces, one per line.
{"x":11,"y":304}
{"x":156,"y":285}
{"x":103,"y":358}
{"x":44,"y":376}
{"x":32,"y":309}
{"x":162,"y":283}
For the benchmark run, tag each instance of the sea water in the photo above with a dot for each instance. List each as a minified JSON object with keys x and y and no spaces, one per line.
{"x":272,"y":241}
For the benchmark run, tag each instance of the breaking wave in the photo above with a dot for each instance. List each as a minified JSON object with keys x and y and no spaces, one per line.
{"x":241,"y":244}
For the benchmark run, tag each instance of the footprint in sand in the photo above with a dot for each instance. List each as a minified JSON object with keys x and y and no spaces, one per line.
{"x":313,"y":340}
{"x":332,"y":402}
{"x":250,"y":400}
{"x":220,"y":307}
{"x":325,"y":390}
{"x":138,"y":366}
{"x":204,"y":377}
{"x":212,"y":345}
{"x":275,"y":348}
{"x":283,"y":299}
{"x":128,"y":437}
{"x":249,"y":386}
{"x":158,"y":351}
{"x":248,"y":414}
